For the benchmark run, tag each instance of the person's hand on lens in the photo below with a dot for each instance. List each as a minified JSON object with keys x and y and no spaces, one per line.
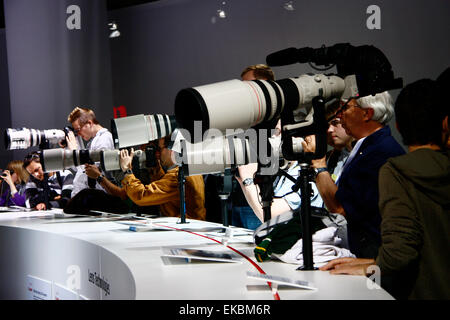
{"x":126,"y":159}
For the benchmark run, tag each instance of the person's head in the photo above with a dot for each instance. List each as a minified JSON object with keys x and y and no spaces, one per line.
{"x":362,"y":116}
{"x":257,"y":72}
{"x":32,"y":164}
{"x":19,"y":175}
{"x":420,"y":114}
{"x":164,"y":154}
{"x":84,"y":122}
{"x":336,"y":135}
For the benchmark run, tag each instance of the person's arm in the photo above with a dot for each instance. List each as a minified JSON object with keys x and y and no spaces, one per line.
{"x":32,"y":194}
{"x":59,"y":199}
{"x":324,"y":182}
{"x":80,"y":181}
{"x":16,"y":198}
{"x":353,"y":266}
{"x":93,"y":172}
{"x":41,"y":206}
{"x":66,"y":188}
{"x":401,"y":231}
{"x":251,"y":194}
{"x":156,"y":193}
{"x":327,"y":189}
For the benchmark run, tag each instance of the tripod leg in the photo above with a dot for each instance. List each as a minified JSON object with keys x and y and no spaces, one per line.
{"x":308,"y":263}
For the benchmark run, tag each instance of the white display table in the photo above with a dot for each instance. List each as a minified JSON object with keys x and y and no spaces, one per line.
{"x":50,"y":255}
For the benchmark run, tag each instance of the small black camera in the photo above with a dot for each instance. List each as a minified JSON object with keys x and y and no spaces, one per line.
{"x":2,"y":173}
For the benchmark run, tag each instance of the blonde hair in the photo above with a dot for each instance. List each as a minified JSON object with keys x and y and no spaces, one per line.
{"x":17,"y":167}
{"x":261,"y":72}
{"x":83,"y":115}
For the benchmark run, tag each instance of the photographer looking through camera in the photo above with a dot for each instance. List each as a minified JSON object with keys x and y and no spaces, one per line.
{"x":355,"y":193}
{"x":46,"y":190}
{"x":85,"y":124}
{"x":285,"y":200}
{"x":14,"y":177}
{"x":163,"y":189}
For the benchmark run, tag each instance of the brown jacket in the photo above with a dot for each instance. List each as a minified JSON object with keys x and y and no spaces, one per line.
{"x":414,"y":257}
{"x":164,"y":191}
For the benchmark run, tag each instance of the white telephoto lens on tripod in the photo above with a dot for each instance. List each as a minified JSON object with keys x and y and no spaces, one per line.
{"x":141,"y":129}
{"x":239,"y":104}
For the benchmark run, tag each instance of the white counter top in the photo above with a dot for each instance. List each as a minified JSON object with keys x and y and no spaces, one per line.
{"x":73,"y":252}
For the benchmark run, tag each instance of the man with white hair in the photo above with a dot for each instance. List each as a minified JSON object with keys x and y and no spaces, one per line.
{"x":355,"y":193}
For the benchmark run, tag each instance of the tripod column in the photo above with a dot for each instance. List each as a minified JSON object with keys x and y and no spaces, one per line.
{"x":224,"y":194}
{"x":305,"y":215}
{"x":181,"y":186}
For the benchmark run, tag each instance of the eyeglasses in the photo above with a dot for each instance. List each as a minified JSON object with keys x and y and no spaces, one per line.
{"x":77,"y":130}
{"x":346,"y":105}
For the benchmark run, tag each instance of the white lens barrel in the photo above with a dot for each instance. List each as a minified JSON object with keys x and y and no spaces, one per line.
{"x":236,"y":104}
{"x":110,"y":160}
{"x":131,"y":131}
{"x":62,"y":159}
{"x":159,"y":125}
{"x":25,"y":138}
{"x":141,"y":129}
{"x":311,"y":86}
{"x":205,"y":157}
{"x":54,"y":136}
{"x":228,"y":105}
{"x":214,"y":155}
{"x":57,"y":159}
{"x":233,"y":104}
{"x":17,"y":139}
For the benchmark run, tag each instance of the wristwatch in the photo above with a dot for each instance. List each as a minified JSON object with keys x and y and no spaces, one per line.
{"x":248,"y":182}
{"x":129,"y":171}
{"x":319,"y":170}
{"x":100,"y":178}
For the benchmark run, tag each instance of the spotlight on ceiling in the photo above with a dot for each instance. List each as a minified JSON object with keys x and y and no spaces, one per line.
{"x":114,"y":30}
{"x":289,"y":6}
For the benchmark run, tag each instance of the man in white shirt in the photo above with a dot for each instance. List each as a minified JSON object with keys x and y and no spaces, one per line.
{"x":85,"y":124}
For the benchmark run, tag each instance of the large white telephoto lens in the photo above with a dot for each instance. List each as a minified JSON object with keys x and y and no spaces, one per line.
{"x":244,"y":104}
{"x":24,"y":138}
{"x":141,"y":129}
{"x":216,"y":154}
{"x":62,"y":159}
{"x":110,"y":159}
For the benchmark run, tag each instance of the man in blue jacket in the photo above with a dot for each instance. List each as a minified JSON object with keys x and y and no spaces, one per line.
{"x":355,"y":193}
{"x":414,"y":201}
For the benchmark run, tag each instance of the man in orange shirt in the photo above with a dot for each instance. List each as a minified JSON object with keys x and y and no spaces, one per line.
{"x":164,"y":190}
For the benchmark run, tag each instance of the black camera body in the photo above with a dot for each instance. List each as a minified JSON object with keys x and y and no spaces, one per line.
{"x":2,"y":172}
{"x":150,"y":156}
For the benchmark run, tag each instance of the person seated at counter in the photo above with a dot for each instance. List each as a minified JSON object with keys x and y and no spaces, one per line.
{"x":414,"y":258}
{"x":163,"y":190}
{"x":44,"y":191}
{"x":13,"y":181}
